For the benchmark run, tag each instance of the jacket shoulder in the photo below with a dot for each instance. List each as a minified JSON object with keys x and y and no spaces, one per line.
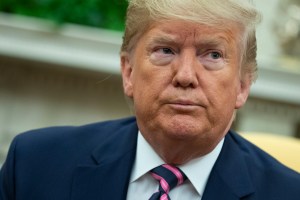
{"x":50,"y":156}
{"x":54,"y":135}
{"x":68,"y":143}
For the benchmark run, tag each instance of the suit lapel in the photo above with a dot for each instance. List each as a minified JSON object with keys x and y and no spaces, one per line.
{"x":230,"y":178}
{"x":109,"y":177}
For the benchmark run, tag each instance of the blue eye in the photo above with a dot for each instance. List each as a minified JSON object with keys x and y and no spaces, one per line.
{"x":215,"y":55}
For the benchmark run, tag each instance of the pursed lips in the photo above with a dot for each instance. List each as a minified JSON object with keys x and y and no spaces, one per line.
{"x":184,"y":105}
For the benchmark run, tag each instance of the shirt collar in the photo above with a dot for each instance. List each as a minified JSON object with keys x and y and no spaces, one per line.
{"x":197,"y":170}
{"x":145,"y":159}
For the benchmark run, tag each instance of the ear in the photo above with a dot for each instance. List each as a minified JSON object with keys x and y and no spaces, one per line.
{"x":126,"y":70}
{"x":243,"y":92}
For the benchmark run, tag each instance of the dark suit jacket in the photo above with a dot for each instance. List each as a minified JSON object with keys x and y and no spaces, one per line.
{"x":94,"y":162}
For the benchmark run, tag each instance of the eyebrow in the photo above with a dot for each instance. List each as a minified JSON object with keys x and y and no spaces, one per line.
{"x":212,"y":42}
{"x":162,"y":39}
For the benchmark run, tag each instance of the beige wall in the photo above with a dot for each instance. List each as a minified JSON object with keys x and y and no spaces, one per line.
{"x":34,"y":95}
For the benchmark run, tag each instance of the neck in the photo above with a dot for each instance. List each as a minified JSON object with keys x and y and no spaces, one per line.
{"x":181,"y":152}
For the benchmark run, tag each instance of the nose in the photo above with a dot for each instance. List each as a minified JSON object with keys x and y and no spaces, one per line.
{"x":185,"y":73}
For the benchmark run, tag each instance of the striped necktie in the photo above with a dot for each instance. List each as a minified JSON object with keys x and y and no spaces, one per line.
{"x":168,"y":177}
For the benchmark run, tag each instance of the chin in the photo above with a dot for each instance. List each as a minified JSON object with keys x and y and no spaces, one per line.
{"x":185,"y":131}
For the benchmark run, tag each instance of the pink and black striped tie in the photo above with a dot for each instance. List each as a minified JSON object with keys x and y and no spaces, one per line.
{"x":168,"y":177}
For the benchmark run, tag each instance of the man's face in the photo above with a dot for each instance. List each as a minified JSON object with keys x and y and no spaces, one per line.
{"x":184,"y":79}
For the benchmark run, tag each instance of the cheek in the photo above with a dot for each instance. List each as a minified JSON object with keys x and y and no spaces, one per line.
{"x":230,"y":80}
{"x":222,"y":93}
{"x":144,"y":87}
{"x":152,"y":78}
{"x":223,"y":83}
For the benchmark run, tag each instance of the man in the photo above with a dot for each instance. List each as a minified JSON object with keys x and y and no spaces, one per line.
{"x":187,"y":66}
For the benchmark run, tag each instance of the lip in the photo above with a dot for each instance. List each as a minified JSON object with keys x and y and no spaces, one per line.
{"x":184,"y":105}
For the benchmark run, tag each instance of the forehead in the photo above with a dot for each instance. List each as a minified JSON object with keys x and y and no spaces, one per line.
{"x":183,"y":32}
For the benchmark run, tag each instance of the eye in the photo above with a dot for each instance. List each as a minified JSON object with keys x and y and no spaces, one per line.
{"x":162,"y":56}
{"x":213,"y":59}
{"x":165,"y":51}
{"x":215,"y":55}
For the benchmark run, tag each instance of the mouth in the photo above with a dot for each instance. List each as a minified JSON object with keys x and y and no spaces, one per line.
{"x":184,"y":105}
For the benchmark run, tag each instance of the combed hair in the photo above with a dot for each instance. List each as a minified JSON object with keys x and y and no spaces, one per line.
{"x":217,"y":13}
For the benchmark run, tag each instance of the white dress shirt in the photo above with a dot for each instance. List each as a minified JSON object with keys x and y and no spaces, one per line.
{"x":142,"y":185}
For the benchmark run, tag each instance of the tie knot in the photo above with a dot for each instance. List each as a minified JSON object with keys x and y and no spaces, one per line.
{"x":168,"y":177}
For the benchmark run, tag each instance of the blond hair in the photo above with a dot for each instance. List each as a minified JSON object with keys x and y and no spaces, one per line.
{"x":141,"y":13}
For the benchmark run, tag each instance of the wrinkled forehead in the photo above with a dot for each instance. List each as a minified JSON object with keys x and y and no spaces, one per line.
{"x":173,"y":26}
{"x":168,"y":31}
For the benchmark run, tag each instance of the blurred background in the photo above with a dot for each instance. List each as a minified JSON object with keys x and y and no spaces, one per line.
{"x":59,"y":65}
